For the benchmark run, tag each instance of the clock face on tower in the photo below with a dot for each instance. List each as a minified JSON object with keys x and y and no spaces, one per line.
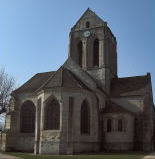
{"x":86,"y":34}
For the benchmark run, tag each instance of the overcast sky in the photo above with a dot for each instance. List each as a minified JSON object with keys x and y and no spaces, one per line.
{"x":34,"y":34}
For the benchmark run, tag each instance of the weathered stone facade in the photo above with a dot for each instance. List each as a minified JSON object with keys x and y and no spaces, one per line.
{"x":83,"y":106}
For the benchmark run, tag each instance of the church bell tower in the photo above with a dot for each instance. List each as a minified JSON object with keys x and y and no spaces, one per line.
{"x":93,"y":47}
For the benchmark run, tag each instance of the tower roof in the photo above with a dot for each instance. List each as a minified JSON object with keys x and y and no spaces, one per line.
{"x":91,"y":16}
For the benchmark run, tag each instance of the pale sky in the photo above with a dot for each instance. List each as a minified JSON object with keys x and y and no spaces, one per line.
{"x":34,"y":34}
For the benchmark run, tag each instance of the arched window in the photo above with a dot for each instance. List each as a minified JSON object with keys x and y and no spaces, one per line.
{"x":52,"y":115}
{"x":96,"y":52}
{"x":120,"y":125}
{"x":80,"y":53}
{"x":87,"y":24}
{"x":85,"y":118}
{"x":27,"y":117}
{"x":109,"y":125}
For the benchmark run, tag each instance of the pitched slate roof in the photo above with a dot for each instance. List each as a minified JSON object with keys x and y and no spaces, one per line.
{"x":125,"y":104}
{"x":80,"y":74}
{"x":112,"y":107}
{"x":62,"y":78}
{"x":68,"y":75}
{"x":35,"y":82}
{"x":122,"y":86}
{"x":70,"y":80}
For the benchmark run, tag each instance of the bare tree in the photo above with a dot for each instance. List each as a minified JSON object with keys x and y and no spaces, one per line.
{"x":7,"y":84}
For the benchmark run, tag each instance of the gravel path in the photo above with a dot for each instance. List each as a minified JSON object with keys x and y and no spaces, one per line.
{"x":3,"y":156}
{"x":151,"y":156}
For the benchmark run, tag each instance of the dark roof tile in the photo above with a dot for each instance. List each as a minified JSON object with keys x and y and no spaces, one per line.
{"x":120,"y":86}
{"x":34,"y":83}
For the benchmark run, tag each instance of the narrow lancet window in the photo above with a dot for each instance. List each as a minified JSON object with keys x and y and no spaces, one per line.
{"x":109,"y":125}
{"x":120,"y":125}
{"x":96,"y":52}
{"x":85,"y":118}
{"x":87,"y":24}
{"x":80,"y":53}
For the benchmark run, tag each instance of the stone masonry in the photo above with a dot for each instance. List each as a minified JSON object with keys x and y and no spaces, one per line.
{"x":83,"y":106}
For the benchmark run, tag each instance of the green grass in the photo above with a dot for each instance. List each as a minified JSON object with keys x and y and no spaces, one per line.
{"x":83,"y":156}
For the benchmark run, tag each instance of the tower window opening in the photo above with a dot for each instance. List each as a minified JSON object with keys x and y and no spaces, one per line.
{"x":87,"y":24}
{"x":80,"y":53}
{"x":96,"y":53}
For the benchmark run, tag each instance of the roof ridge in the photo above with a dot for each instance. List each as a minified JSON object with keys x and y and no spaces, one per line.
{"x":75,"y":78}
{"x":132,"y":76}
{"x":44,"y":72}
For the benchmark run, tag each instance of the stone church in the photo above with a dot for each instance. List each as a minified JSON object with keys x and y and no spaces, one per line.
{"x":83,"y":106}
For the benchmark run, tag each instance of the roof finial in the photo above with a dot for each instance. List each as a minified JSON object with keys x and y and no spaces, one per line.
{"x":88,"y":9}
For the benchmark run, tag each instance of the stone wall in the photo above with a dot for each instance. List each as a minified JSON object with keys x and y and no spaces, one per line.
{"x":119,"y":140}
{"x":24,"y":143}
{"x":49,"y":143}
{"x":69,"y":136}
